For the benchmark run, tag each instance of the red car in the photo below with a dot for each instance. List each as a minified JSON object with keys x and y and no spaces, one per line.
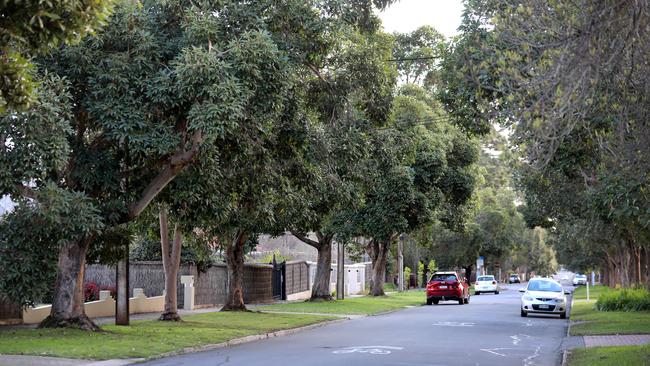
{"x":447,"y":286}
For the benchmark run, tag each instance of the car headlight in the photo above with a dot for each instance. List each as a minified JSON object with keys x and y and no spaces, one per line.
{"x":528,"y":298}
{"x":559,"y":300}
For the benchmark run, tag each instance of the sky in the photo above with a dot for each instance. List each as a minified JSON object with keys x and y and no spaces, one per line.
{"x":407,"y":15}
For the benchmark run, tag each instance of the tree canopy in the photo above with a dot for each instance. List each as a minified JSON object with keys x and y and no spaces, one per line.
{"x":30,"y":28}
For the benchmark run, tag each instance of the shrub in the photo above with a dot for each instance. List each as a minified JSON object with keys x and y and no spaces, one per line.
{"x":624,"y":300}
{"x":91,"y":291}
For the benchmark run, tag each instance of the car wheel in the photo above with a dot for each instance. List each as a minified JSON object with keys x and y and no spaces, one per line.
{"x":496,"y":292}
{"x":435,"y":302}
{"x":467,"y":300}
{"x":477,"y":293}
{"x":429,"y":301}
{"x":563,"y":315}
{"x":523,"y":313}
{"x":461,"y":301}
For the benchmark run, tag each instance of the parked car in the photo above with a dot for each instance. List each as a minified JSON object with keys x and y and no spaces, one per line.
{"x":580,"y":279}
{"x":514,"y":278}
{"x":544,"y":296}
{"x":447,"y":286}
{"x":486,"y":284}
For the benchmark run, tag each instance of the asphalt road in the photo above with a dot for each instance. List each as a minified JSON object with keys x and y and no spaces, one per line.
{"x":487,"y":331}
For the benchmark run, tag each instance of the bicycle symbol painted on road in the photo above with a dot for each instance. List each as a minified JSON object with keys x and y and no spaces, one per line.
{"x":373,"y":350}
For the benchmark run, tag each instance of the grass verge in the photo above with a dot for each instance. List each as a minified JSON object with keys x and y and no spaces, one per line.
{"x":606,"y":356}
{"x":590,"y":321}
{"x":366,"y":305}
{"x":580,"y":292}
{"x":148,"y":337}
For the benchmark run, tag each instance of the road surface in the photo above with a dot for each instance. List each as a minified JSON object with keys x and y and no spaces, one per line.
{"x":487,"y":331}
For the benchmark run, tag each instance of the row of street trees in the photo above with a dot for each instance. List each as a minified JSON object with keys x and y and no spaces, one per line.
{"x":570,"y":79}
{"x":223,"y":120}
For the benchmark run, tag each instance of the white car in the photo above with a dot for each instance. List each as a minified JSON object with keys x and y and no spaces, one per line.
{"x":544,"y":296}
{"x":486,"y":284}
{"x":580,"y":280}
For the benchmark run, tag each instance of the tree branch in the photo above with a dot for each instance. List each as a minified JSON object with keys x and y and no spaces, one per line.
{"x":306,"y":240}
{"x":26,"y":191}
{"x":170,"y":170}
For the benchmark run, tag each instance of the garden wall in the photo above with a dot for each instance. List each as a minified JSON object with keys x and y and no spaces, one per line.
{"x":210,"y":286}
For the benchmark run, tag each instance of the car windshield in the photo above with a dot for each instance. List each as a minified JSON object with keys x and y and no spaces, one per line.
{"x":443,"y":277}
{"x":581,"y":276}
{"x":547,"y":286}
{"x":486,"y":278}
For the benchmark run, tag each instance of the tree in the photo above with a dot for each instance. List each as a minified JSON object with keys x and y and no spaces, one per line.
{"x":570,"y":75}
{"x":416,"y":54}
{"x":328,"y":85}
{"x":417,"y":174}
{"x":171,"y":259}
{"x":34,"y":27}
{"x":357,"y":93}
{"x":541,"y":257}
{"x":158,"y":87}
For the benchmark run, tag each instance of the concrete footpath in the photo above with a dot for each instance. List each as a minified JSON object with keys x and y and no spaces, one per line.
{"x":15,"y":360}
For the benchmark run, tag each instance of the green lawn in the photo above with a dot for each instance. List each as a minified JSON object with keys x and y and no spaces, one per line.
{"x":148,"y":337}
{"x":606,"y":356}
{"x":366,"y":305}
{"x":607,"y":322}
{"x":594,"y":291}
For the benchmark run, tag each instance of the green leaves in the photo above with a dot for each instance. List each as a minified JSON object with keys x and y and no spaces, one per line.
{"x":33,"y":27}
{"x":35,"y":142}
{"x":31,"y":235}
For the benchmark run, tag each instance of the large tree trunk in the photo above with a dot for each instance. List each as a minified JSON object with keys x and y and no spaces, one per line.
{"x":321,"y":287}
{"x":68,"y":301}
{"x":235,"y":261}
{"x":378,"y":252}
{"x":171,"y":258}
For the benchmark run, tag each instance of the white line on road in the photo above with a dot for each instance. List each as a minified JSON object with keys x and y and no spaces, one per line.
{"x":453,"y":324}
{"x":493,"y":351}
{"x":373,"y":350}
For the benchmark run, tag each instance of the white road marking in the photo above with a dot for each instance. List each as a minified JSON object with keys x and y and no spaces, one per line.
{"x":529,"y":323}
{"x":529,"y":360}
{"x":453,"y":324}
{"x":517,"y":338}
{"x":373,"y":350}
{"x":492,"y":351}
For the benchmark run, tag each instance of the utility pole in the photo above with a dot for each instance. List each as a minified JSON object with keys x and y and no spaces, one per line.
{"x":340,"y":272}
{"x":400,"y":263}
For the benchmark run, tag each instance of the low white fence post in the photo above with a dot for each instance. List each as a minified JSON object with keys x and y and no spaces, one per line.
{"x":188,"y":292}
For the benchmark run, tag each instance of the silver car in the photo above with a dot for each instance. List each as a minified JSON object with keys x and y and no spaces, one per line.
{"x":544,"y":296}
